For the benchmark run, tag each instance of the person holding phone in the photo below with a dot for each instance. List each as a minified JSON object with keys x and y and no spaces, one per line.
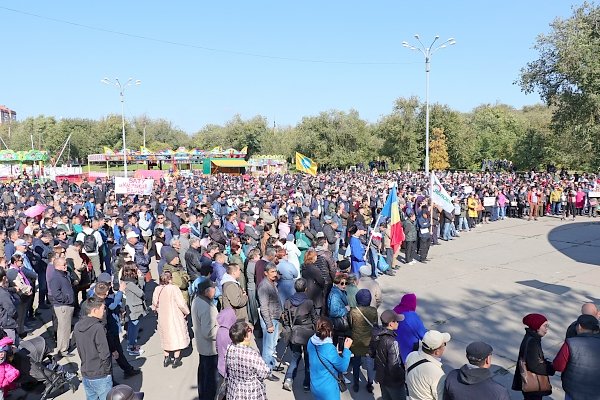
{"x":326,"y":365}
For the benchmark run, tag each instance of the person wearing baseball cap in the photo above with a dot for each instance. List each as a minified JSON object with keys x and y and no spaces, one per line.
{"x":473,"y":381}
{"x":579,"y":360}
{"x":531,"y":351}
{"x":389,"y":371}
{"x":424,"y":374}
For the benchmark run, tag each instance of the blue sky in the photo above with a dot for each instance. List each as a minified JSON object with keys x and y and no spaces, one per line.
{"x":283,"y":60}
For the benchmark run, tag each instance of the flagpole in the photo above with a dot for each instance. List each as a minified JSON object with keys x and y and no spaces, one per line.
{"x":378,"y":218}
{"x":431,"y":196}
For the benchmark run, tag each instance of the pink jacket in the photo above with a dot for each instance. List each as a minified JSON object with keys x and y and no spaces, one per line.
{"x":8,"y":376}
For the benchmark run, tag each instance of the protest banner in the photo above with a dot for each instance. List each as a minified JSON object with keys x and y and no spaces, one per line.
{"x":133,"y":186}
{"x":489,"y":201}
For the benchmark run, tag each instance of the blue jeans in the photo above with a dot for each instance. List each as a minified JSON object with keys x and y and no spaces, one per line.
{"x":446,"y":235}
{"x":133,"y":327}
{"x":298,"y":351}
{"x":556,"y":208}
{"x":463,"y":224}
{"x":369,"y":365}
{"x":97,"y":389}
{"x":502,"y":212}
{"x":269,"y":342}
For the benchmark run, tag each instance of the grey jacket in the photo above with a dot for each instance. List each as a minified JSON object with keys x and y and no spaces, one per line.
{"x":268,"y":300}
{"x":135,"y":303}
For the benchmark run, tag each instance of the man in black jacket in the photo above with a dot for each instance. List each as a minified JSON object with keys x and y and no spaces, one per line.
{"x":300,"y":316}
{"x":473,"y":381}
{"x":62,"y":300}
{"x":92,"y":345}
{"x":193,"y":258}
{"x":389,"y":369}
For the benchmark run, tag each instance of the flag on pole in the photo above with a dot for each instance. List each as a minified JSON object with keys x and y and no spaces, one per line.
{"x":391,"y":210}
{"x":439,"y":195}
{"x":305,"y":164}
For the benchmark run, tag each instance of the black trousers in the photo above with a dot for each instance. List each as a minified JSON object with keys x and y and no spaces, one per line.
{"x":411,"y":250}
{"x":424,"y":248}
{"x":207,"y":377}
{"x":115,"y":345}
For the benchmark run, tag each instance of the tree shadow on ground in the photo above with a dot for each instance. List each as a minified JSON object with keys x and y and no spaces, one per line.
{"x":579,"y":241}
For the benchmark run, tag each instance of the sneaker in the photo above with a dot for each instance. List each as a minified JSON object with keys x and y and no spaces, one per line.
{"x":287,"y":384}
{"x":306,"y":388}
{"x":272,"y":378}
{"x":370,"y":387}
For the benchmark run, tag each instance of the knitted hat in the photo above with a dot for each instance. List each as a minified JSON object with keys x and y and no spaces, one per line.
{"x":534,"y":321}
{"x":169,"y":254}
{"x":363,"y":297}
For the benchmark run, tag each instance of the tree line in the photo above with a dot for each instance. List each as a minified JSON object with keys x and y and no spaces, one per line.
{"x":335,"y":139}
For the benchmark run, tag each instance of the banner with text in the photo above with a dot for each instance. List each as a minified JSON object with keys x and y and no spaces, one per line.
{"x":439,"y":195}
{"x":133,"y":186}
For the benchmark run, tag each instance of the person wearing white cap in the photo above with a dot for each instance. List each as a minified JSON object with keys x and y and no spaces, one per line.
{"x":424,"y":375}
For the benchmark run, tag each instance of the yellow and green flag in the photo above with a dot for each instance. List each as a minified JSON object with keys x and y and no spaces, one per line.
{"x":305,"y":164}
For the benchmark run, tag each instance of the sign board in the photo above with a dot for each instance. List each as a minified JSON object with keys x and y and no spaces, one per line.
{"x":593,"y":194}
{"x":468,"y":190}
{"x":489,"y":201}
{"x":133,"y":186}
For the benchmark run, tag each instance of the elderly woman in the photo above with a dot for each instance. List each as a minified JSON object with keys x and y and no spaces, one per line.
{"x":135,"y":305}
{"x":172,"y":311}
{"x":362,"y":320}
{"x":337,"y":306}
{"x":531,"y":351}
{"x":245,"y":368}
{"x":326,"y":364}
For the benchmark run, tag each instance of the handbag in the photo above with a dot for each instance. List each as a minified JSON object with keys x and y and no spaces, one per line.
{"x":340,"y":324}
{"x":530,"y":381}
{"x":382,"y":263}
{"x":222,"y":390}
{"x":339,"y":377}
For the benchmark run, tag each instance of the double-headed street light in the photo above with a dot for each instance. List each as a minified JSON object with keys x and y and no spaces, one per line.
{"x":427,"y":52}
{"x":117,"y":83}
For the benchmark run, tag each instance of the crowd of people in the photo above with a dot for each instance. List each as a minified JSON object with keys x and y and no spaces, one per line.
{"x":253,"y":262}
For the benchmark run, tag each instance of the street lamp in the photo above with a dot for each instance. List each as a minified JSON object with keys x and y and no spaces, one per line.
{"x":427,"y":52}
{"x":122,"y":87}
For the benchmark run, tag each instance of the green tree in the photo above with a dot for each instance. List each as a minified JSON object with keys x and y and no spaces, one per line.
{"x":337,"y":139}
{"x":567,"y":77}
{"x":403,"y":144}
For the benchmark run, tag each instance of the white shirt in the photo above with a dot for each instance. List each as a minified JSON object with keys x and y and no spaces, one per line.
{"x":88,"y":231}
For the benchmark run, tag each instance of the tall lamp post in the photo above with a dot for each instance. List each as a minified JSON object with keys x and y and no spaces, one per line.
{"x":122,"y":87}
{"x":427,"y":52}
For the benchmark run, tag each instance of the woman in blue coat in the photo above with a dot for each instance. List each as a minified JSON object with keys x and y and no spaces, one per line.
{"x":357,"y":249}
{"x":326,"y":364}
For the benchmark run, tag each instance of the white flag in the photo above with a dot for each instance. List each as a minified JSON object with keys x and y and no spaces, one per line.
{"x":439,"y":195}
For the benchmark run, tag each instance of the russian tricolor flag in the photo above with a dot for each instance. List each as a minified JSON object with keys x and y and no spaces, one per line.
{"x":391,"y":210}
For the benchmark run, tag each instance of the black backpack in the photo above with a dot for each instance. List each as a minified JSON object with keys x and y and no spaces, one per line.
{"x":90,"y":244}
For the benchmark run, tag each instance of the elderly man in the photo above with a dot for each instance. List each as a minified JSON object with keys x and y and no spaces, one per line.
{"x":62,"y":300}
{"x":193,"y":258}
{"x":424,"y":374}
{"x":586,"y":309}
{"x":270,"y":312}
{"x":138,"y":253}
{"x":204,"y":318}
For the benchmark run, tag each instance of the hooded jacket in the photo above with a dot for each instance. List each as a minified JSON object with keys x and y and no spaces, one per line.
{"x":225,"y":319}
{"x":92,"y":345}
{"x":411,"y":330}
{"x":473,"y":383}
{"x":325,"y":361}
{"x":234,"y":297}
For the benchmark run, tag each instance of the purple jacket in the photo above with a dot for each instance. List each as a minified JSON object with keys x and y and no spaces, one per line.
{"x":225,"y":319}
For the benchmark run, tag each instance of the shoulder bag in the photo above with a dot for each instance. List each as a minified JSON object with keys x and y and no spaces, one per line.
{"x":530,"y":381}
{"x":339,"y":377}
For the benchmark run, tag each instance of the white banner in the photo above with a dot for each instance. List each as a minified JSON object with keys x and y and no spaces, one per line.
{"x":439,"y":195}
{"x":133,"y":186}
{"x":489,"y":201}
{"x":594,"y":194}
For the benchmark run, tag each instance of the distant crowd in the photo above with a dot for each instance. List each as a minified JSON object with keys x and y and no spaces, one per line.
{"x":255,"y":262}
